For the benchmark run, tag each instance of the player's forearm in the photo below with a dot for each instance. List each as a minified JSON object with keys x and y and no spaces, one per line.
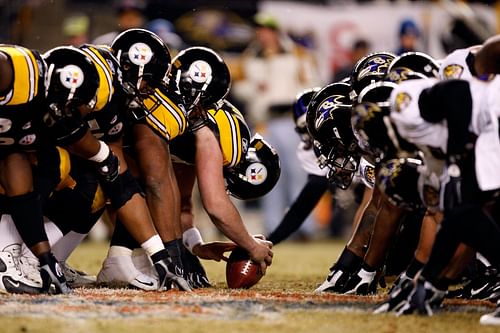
{"x":231,"y":225}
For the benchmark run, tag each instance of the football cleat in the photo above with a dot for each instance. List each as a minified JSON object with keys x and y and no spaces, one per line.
{"x":492,"y":318}
{"x":481,"y":287}
{"x":120,"y":272}
{"x":27,"y":262}
{"x":361,"y":283}
{"x":398,"y":297}
{"x":76,"y":278}
{"x":170,"y":275}
{"x":335,"y":281}
{"x":53,"y":279}
{"x":398,"y":283}
{"x":424,"y":298}
{"x":12,"y":279}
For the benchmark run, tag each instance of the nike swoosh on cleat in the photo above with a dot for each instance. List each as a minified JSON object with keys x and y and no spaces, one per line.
{"x":474,"y":292}
{"x":150,"y":284}
{"x":14,"y":283}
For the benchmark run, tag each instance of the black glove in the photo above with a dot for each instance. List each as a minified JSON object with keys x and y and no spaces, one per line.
{"x":109,"y":169}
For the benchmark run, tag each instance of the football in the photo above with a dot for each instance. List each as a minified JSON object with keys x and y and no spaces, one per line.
{"x":241,"y":271}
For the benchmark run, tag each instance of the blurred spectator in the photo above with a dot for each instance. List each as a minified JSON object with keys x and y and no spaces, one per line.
{"x":166,"y":31}
{"x":360,"y":48}
{"x":130,"y":14}
{"x":75,"y":29}
{"x":274,"y":70}
{"x":408,"y":36}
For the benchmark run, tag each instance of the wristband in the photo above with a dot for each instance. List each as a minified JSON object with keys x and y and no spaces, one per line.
{"x":191,"y":238}
{"x":102,"y":154}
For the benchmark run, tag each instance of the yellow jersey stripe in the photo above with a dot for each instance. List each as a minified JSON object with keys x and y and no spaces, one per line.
{"x":99,"y":200}
{"x":65,"y":180}
{"x":229,"y":136}
{"x":167,"y":118}
{"x":25,"y":84}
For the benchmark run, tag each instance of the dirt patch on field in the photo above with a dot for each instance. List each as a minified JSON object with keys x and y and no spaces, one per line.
{"x":208,"y":303}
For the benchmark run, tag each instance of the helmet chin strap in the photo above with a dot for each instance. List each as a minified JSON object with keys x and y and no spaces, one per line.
{"x":202,"y":90}
{"x":391,"y":133}
{"x":139,"y":78}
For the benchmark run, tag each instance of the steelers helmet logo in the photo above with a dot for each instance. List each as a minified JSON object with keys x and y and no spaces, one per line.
{"x":71,"y":76}
{"x":200,"y":71}
{"x":140,"y":54}
{"x":256,"y":173}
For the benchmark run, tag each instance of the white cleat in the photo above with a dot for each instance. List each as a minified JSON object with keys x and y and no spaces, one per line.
{"x":492,"y":318}
{"x":12,"y":278}
{"x":119,"y":271}
{"x":27,"y":262}
{"x":76,"y":278}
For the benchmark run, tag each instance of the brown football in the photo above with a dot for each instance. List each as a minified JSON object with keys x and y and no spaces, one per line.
{"x":241,"y":271}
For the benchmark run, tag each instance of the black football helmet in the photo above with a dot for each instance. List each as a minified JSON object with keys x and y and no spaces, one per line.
{"x":299,"y":112}
{"x":328,"y":98}
{"x":72,"y":80}
{"x":329,"y":124}
{"x":372,"y":127}
{"x":145,"y":64}
{"x":397,"y":179}
{"x":257,"y":172}
{"x":200,"y":75}
{"x":142,"y":56}
{"x":369,"y":69}
{"x":412,"y":65}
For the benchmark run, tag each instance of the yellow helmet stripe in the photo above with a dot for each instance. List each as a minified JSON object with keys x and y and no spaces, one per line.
{"x":105,"y":91}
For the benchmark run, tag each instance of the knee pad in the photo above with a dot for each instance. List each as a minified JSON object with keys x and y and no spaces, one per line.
{"x":122,"y":189}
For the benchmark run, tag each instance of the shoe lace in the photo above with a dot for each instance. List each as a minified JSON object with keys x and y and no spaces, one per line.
{"x":12,"y":262}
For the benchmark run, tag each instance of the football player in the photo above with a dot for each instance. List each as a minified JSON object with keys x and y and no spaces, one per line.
{"x":218,"y":144}
{"x":464,"y":140}
{"x":22,"y":88}
{"x":380,"y":141}
{"x":74,"y":109}
{"x":155,"y":116}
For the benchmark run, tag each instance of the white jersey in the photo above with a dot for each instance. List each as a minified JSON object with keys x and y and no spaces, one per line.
{"x":309,"y":161}
{"x":487,"y":148}
{"x":405,"y":114}
{"x":455,"y":66}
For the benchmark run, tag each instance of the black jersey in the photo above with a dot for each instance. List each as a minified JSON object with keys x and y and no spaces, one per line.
{"x":20,"y":117}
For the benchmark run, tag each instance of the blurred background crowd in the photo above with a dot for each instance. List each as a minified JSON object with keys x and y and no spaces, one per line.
{"x":274,"y":49}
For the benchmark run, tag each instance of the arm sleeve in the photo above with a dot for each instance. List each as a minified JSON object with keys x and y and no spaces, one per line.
{"x":449,"y":100}
{"x":312,"y":191}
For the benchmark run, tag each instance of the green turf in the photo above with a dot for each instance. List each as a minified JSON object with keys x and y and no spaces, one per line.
{"x":297,"y":269}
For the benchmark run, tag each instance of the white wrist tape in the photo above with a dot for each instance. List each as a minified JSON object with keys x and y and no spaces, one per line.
{"x":191,"y":238}
{"x":101,"y":154}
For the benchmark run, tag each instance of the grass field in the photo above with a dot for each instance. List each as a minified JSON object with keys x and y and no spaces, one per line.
{"x":282,"y":302}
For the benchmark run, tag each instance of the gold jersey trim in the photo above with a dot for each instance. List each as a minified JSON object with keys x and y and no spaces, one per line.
{"x":166,"y":117}
{"x":26,"y":76}
{"x":229,"y":135}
